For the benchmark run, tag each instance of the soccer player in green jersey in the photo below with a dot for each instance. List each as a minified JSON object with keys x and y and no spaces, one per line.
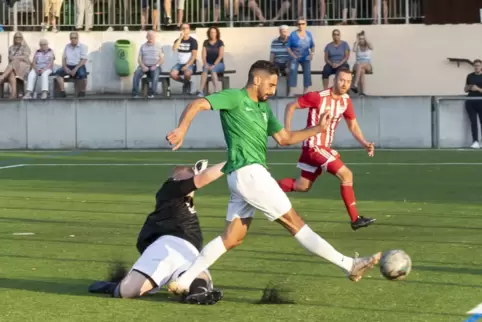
{"x":247,"y":121}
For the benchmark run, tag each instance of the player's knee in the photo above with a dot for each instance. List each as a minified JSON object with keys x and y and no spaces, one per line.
{"x":345,"y":175}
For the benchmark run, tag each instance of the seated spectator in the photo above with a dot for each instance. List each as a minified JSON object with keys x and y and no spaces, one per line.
{"x":52,"y":13}
{"x":73,"y":65}
{"x":337,"y":53}
{"x":150,"y":60}
{"x":279,"y":51}
{"x":18,"y":64}
{"x":186,"y":48}
{"x":301,"y":48}
{"x":473,"y":86}
{"x":42,"y":64}
{"x":213,"y":60}
{"x":363,"y":51}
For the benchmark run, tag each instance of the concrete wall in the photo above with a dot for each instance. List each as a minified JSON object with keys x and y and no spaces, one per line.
{"x":408,"y":60}
{"x":454,"y":126}
{"x":390,"y":122}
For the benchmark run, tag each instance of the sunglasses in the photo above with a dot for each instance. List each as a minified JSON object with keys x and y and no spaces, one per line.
{"x":301,"y":23}
{"x":336,"y":35}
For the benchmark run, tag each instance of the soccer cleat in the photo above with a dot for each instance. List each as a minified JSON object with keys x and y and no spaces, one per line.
{"x":204,"y":298}
{"x":102,"y":287}
{"x":361,"y":265}
{"x":362,"y":222}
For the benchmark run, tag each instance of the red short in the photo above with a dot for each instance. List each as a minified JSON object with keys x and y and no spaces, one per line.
{"x":315,"y":161}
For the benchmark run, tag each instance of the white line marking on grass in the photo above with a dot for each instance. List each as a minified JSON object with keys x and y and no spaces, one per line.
{"x":23,"y":234}
{"x":12,"y":166}
{"x":270,"y":164}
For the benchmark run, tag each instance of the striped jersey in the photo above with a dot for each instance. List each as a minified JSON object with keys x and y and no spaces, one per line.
{"x":318,"y":103}
{"x":279,"y":49}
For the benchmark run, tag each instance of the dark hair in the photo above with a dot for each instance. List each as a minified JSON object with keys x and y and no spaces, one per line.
{"x":262,"y":65}
{"x":342,"y":70}
{"x":218,"y":33}
{"x":477,"y":61}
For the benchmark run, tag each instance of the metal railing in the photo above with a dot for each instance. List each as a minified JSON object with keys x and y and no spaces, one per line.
{"x":32,"y":15}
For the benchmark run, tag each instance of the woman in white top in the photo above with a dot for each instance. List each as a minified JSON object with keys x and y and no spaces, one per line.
{"x":363,"y":65}
{"x":42,"y":63}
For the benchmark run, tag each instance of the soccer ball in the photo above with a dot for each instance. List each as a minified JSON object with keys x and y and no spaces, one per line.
{"x":395,"y":265}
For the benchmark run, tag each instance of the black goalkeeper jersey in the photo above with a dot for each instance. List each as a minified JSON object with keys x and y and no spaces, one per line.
{"x":174,"y":216}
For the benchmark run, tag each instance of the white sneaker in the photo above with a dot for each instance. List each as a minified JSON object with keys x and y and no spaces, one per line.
{"x":44,"y":95}
{"x":110,"y":29}
{"x":45,"y":26}
{"x":126,"y":28}
{"x":28,"y":95}
{"x":475,"y":145}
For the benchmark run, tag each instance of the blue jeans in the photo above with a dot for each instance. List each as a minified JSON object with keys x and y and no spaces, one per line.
{"x":81,"y":72}
{"x":219,"y":68}
{"x":306,"y":67}
{"x":152,"y":74}
{"x":178,"y":67}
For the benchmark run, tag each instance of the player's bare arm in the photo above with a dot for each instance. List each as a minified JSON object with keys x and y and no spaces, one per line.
{"x":356,"y":131}
{"x":289,"y":110}
{"x":286,"y":137}
{"x":176,"y":136}
{"x":209,"y":175}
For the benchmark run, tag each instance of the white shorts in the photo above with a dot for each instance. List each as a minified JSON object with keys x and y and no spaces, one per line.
{"x":165,"y":259}
{"x":252,"y":187}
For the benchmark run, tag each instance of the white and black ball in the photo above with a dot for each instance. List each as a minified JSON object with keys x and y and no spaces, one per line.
{"x":395,"y":265}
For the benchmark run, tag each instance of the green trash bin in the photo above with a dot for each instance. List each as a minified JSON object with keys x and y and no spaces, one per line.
{"x":125,"y":57}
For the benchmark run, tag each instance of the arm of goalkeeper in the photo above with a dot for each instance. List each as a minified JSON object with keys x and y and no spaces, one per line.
{"x":204,"y":175}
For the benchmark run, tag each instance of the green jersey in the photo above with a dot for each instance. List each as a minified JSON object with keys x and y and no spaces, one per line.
{"x":246,"y":126}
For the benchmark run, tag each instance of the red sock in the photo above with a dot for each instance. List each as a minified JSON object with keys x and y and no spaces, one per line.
{"x":348,"y":196}
{"x":287,"y":184}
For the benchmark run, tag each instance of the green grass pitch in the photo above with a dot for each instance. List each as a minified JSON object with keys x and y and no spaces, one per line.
{"x":86,"y":208}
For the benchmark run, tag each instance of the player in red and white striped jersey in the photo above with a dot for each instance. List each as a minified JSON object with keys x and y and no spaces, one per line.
{"x":317,"y":156}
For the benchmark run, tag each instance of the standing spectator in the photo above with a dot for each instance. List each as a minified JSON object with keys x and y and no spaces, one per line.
{"x":18,"y":64}
{"x":73,"y":65}
{"x":301,"y":48}
{"x":145,"y":14}
{"x":473,"y":86}
{"x":186,"y":48}
{"x":42,"y":64}
{"x":337,"y":53}
{"x":279,"y":51}
{"x":52,"y":13}
{"x":213,"y":59}
{"x":363,"y":65}
{"x":284,"y":8}
{"x":352,"y":5}
{"x":180,"y":11}
{"x":384,"y":11}
{"x":208,"y":6}
{"x":113,"y":7}
{"x":150,"y":60}
{"x":84,"y":9}
{"x":322,"y":11}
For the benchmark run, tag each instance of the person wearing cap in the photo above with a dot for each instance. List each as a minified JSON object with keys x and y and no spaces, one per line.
{"x":42,"y":63}
{"x":169,"y":241}
{"x":279,"y":51}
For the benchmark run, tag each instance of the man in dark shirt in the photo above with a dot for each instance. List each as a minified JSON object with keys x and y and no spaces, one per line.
{"x":473,"y":86}
{"x":170,"y":240}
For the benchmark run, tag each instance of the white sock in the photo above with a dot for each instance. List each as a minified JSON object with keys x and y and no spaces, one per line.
{"x":317,"y":245}
{"x":209,"y":254}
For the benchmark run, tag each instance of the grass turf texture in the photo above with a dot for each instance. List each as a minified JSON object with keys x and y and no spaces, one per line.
{"x":85,"y":218}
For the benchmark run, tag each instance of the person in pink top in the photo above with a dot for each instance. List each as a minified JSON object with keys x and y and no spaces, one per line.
{"x":42,"y":63}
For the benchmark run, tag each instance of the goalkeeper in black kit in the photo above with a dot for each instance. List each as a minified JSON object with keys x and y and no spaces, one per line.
{"x":170,"y":240}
